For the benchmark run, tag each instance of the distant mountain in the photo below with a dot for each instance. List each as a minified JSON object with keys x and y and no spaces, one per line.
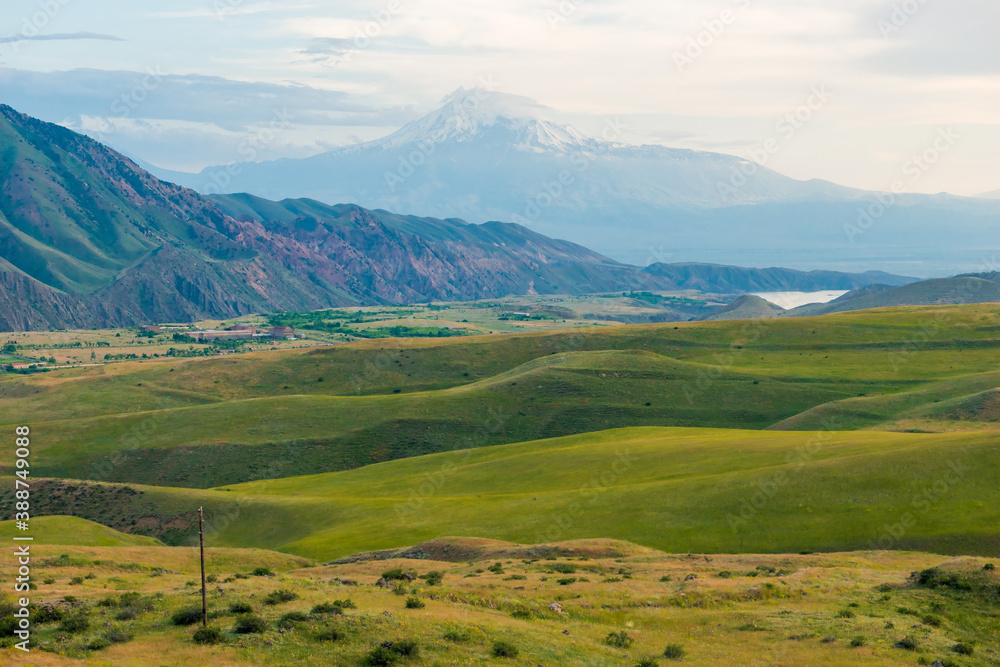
{"x":87,"y":238}
{"x":490,"y":156}
{"x":746,"y":307}
{"x":713,"y":278}
{"x":942,"y":291}
{"x":990,"y":195}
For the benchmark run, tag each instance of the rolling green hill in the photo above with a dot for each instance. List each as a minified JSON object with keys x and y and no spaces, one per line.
{"x":941,"y":291}
{"x":206,"y":422}
{"x":680,"y":490}
{"x":74,"y":531}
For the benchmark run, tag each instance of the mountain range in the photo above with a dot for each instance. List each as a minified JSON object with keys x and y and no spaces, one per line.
{"x":491,"y":156}
{"x":89,"y":239}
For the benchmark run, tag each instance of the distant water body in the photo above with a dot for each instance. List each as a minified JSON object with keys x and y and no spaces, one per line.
{"x":795,"y":299}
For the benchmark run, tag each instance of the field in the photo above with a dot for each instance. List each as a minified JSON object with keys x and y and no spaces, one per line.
{"x":863,"y":442}
{"x":469,"y":601}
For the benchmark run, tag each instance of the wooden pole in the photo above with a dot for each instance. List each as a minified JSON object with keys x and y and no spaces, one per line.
{"x":201,"y":541}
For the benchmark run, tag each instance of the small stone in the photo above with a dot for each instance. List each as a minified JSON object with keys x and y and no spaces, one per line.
{"x":556,"y":607}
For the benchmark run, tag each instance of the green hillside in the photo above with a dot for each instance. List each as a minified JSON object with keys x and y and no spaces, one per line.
{"x":74,"y":531}
{"x":679,"y":490}
{"x":207,"y":422}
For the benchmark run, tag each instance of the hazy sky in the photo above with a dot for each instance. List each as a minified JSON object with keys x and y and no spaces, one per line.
{"x":181,"y":84}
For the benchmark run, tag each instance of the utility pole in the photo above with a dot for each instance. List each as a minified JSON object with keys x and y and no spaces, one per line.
{"x":201,"y":541}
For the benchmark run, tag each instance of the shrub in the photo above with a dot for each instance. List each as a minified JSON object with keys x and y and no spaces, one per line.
{"x":457,"y":634}
{"x":280,"y":596}
{"x":963,"y":649}
{"x":858,"y":642}
{"x":567,"y":581}
{"x":48,"y":614}
{"x":433,"y":578}
{"x":845,"y":613}
{"x":240,"y":608}
{"x":117,"y":635}
{"x":674,"y":652}
{"x":345,"y":604}
{"x":260,"y":572}
{"x":619,"y":640}
{"x":496,"y":568}
{"x":188,"y":616}
{"x":250,"y":624}
{"x":414,"y":603}
{"x":74,"y":624}
{"x":380,"y":656}
{"x":646,"y":662}
{"x":502,"y":649}
{"x":98,"y":644}
{"x":932,"y":621}
{"x":516,"y":577}
{"x":76,"y":581}
{"x":329,"y":635}
{"x":564,"y":568}
{"x":407,"y":648}
{"x":207,"y":635}
{"x":291,"y":618}
{"x":324,"y":608}
{"x":907,"y":644}
{"x":399,"y":574}
{"x":211,"y":579}
{"x":989,"y":567}
{"x":725,"y":574}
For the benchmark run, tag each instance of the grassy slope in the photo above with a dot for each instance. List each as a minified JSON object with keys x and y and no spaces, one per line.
{"x":74,"y":531}
{"x":189,"y":423}
{"x":771,"y":610}
{"x":680,"y":490}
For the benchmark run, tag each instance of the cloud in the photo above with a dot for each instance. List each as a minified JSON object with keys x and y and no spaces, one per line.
{"x":329,"y":51}
{"x":59,"y":36}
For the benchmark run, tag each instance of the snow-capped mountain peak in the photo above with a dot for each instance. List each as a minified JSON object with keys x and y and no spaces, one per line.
{"x":480,"y":114}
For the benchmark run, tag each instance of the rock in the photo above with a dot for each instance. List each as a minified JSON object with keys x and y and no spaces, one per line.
{"x":556,"y":607}
{"x":690,"y":577}
{"x":937,"y":663}
{"x":382,"y":583}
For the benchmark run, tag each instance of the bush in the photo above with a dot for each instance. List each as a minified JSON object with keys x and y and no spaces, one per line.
{"x":76,"y":581}
{"x":646,"y":662}
{"x":74,"y":624}
{"x":564,"y":568}
{"x":414,"y":603}
{"x":207,"y":635}
{"x":496,"y":568}
{"x":291,"y":618}
{"x":345,"y":604}
{"x":117,"y":636}
{"x":619,"y":640}
{"x":907,"y":644}
{"x":858,"y":642}
{"x":324,"y":608}
{"x":261,"y":572}
{"x":250,"y":624}
{"x":188,"y":616}
{"x":674,"y":652}
{"x":963,"y":649}
{"x":280,"y":596}
{"x":406,"y":648}
{"x":240,"y":608}
{"x":329,"y":635}
{"x":932,"y":621}
{"x":457,"y":634}
{"x":989,"y":567}
{"x":380,"y":656}
{"x":433,"y":578}
{"x":399,"y":574}
{"x":845,"y":613}
{"x":502,"y":649}
{"x":567,"y":581}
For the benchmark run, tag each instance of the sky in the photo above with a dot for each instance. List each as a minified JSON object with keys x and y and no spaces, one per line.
{"x":866,"y":86}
